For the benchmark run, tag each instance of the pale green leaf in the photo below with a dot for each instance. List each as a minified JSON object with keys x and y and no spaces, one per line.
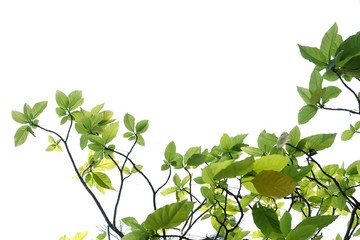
{"x":274,"y":162}
{"x":236,"y":169}
{"x":347,"y":135}
{"x":170,"y":151}
{"x":38,"y":108}
{"x":21,"y":135}
{"x":62,"y":100}
{"x":168,"y":216}
{"x":110,"y":132}
{"x":19,"y":117}
{"x":129,"y":122}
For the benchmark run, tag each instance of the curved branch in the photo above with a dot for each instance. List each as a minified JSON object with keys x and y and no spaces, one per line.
{"x":349,"y":88}
{"x":98,"y":204}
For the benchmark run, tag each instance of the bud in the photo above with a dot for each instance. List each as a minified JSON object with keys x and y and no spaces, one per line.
{"x":282,"y":140}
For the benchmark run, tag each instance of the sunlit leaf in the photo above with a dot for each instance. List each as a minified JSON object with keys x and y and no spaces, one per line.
{"x":19,"y":117}
{"x":274,"y":162}
{"x":347,"y":135}
{"x":209,"y":172}
{"x":75,"y":99}
{"x":102,"y":180}
{"x":170,"y":151}
{"x":21,"y":135}
{"x":61,"y":99}
{"x":110,"y":132}
{"x":129,"y":122}
{"x":38,"y":108}
{"x":329,"y":43}
{"x":253,"y":151}
{"x":80,"y":236}
{"x":274,"y":184}
{"x":236,"y":169}
{"x":169,"y":216}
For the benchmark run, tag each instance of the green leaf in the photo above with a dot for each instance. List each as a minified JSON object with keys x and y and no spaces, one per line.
{"x":75,"y":99}
{"x":317,"y":142}
{"x":314,"y":55}
{"x":168,"y":191}
{"x":38,"y":108}
{"x":79,"y":235}
{"x":62,"y":100}
{"x":315,"y":82}
{"x":129,"y":122}
{"x":266,"y":141}
{"x":349,"y":48}
{"x":294,"y":136}
{"x":142,"y":126}
{"x":210,"y":172}
{"x":225,"y":142}
{"x":320,"y":221}
{"x":352,"y":168}
{"x":329,"y":42}
{"x":236,"y":169}
{"x":168,"y":216}
{"x":96,"y":139}
{"x":253,"y":151}
{"x":102,"y":180}
{"x":133,"y":223}
{"x":140,"y":140}
{"x":303,"y":233}
{"x":274,"y":162}
{"x":297,"y":172}
{"x":285,"y":223}
{"x":110,"y":132}
{"x":177,"y":180}
{"x":306,"y":113}
{"x":103,"y":165}
{"x":19,"y":117}
{"x":64,"y":238}
{"x":170,"y":152}
{"x":196,"y":159}
{"x":21,"y":135}
{"x":347,"y":135}
{"x":136,"y":235}
{"x":352,"y":67}
{"x":27,"y":111}
{"x":101,"y":236}
{"x":267,"y":221}
{"x":274,"y":184}
{"x":304,"y":94}
{"x":95,"y":110}
{"x":330,"y":92}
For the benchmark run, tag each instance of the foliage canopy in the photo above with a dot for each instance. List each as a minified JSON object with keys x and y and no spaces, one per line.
{"x":278,"y":181}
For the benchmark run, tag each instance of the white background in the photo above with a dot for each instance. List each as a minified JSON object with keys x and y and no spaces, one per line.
{"x":195,"y":69}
